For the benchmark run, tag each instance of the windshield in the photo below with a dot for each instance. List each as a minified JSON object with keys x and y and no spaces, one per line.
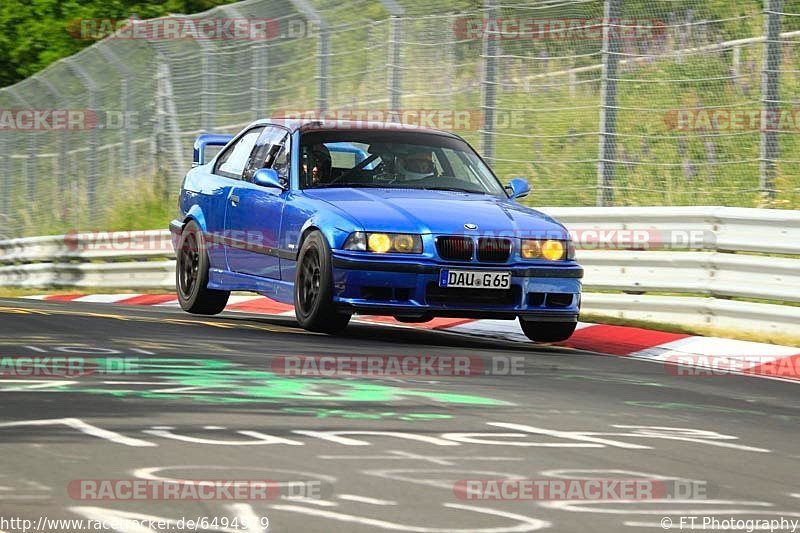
{"x":394,"y":160}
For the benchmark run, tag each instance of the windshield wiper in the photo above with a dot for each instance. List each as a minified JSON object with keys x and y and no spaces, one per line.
{"x":452,"y":189}
{"x":351,"y":184}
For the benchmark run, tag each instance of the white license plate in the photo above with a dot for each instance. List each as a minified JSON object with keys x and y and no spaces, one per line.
{"x":474,"y":279}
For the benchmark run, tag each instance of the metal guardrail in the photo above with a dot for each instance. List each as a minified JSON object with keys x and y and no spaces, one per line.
{"x":727,"y":257}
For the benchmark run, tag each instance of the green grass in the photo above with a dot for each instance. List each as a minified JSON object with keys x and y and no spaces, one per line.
{"x":148,"y":207}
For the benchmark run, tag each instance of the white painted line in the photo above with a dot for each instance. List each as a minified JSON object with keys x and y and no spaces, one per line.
{"x":151,"y":383}
{"x":249,"y":518}
{"x":26,"y":385}
{"x":83,"y":427}
{"x":241,"y":298}
{"x":105,"y":298}
{"x":364,"y":499}
{"x":312,"y":501}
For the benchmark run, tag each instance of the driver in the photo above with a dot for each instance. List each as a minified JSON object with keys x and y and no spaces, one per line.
{"x":416,"y":165}
{"x":321,"y":164}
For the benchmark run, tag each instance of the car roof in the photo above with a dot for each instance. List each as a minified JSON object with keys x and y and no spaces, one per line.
{"x":303,"y":125}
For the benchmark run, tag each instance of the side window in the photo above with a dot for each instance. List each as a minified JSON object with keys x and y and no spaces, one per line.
{"x":232,"y":162}
{"x":267,"y":149}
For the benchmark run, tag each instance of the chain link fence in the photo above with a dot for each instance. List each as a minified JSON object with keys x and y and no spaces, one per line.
{"x":615,"y":102}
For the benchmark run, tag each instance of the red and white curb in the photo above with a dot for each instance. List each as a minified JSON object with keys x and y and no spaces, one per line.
{"x":681,"y":354}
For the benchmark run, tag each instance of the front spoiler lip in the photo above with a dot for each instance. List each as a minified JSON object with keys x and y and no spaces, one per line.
{"x":501,"y":314}
{"x":421,"y":268}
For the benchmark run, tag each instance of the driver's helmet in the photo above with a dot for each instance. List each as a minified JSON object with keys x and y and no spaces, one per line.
{"x":321,"y":164}
{"x":415,"y":165}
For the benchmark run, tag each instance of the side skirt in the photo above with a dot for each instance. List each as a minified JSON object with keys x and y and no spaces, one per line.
{"x":282,"y":291}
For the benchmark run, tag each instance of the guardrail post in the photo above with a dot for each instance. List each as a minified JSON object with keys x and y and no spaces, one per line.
{"x":94,"y":136}
{"x":770,"y":79}
{"x":489,"y":81}
{"x":608,"y":103}
{"x":394,"y":63}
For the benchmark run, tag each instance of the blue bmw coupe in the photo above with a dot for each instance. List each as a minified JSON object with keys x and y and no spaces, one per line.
{"x":339,"y":218}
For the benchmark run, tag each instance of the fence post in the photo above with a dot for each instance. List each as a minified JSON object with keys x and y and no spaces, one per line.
{"x":769,"y":99}
{"x":259,"y":51}
{"x":32,"y":151}
{"x":324,"y":59}
{"x":259,"y":72}
{"x":166,"y":127}
{"x":94,"y":137}
{"x":207,"y":75}
{"x":323,"y":50}
{"x":608,"y":103}
{"x":124,"y":96}
{"x":489,"y":82}
{"x":58,"y":99}
{"x":5,"y":188}
{"x":395,"y":74}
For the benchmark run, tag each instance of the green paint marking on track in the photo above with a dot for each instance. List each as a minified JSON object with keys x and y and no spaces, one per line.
{"x":223,"y":382}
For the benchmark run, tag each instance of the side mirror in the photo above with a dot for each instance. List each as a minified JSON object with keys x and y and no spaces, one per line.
{"x":267,"y":177}
{"x":518,"y":187}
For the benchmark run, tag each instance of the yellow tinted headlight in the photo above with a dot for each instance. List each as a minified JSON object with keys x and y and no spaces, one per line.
{"x":553,"y":250}
{"x":379,"y":243}
{"x":531,"y":249}
{"x":404,"y":243}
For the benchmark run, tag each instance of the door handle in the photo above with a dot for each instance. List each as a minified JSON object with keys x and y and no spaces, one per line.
{"x":234,"y":200}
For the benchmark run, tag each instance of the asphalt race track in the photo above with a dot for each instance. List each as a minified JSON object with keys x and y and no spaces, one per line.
{"x":208,"y":405}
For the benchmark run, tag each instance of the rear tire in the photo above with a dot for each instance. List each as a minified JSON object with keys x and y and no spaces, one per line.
{"x":191,"y":275}
{"x":547,"y":331}
{"x":313,"y":288}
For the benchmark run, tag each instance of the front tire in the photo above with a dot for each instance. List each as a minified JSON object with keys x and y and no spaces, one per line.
{"x":313,"y":288}
{"x":191,"y":275}
{"x":547,"y":331}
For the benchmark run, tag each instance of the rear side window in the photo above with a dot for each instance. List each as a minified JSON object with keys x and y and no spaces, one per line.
{"x":232,"y":162}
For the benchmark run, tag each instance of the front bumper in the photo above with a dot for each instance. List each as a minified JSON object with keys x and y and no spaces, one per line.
{"x":409,"y":287}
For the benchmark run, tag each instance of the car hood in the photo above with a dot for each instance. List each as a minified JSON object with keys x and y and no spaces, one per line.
{"x":438,"y":212}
